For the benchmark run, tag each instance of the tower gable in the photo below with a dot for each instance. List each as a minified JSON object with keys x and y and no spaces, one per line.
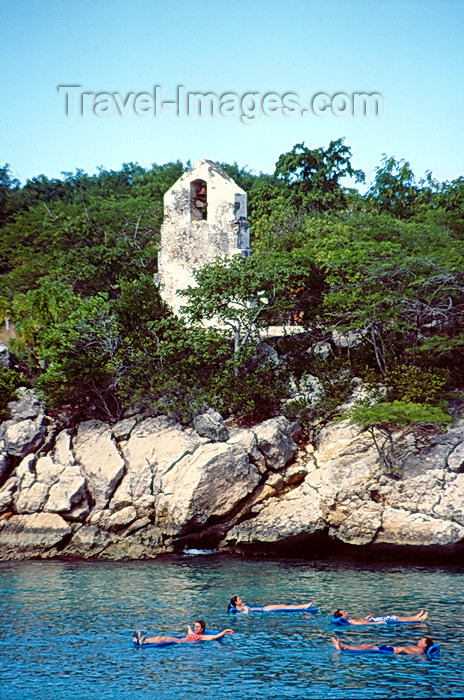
{"x":205,"y":217}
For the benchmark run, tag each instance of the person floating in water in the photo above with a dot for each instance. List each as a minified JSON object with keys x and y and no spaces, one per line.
{"x":193,"y":635}
{"x":385,"y":619}
{"x":421,"y":647}
{"x":236,"y":604}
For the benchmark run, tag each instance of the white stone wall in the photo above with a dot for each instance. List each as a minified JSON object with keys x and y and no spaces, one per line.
{"x":188,"y":243}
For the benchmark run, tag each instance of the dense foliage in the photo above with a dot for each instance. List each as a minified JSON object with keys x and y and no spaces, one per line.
{"x":376,"y":280}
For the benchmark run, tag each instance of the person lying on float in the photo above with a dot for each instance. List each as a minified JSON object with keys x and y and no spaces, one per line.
{"x":423,"y":646}
{"x":236,"y":605}
{"x":343,"y":617}
{"x":193,"y":635}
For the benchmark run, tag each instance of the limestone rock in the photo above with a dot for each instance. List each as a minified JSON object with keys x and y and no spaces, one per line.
{"x":339,"y":506}
{"x":451,"y":500}
{"x":62,"y":453}
{"x":207,"y":484}
{"x":321,"y":348}
{"x":161,"y":482}
{"x":88,"y":541}
{"x":211,"y":425}
{"x":139,"y":543}
{"x":154,"y":447}
{"x":123,"y":428}
{"x":143,"y":544}
{"x":415,"y":493}
{"x":31,"y":534}
{"x":98,"y":517}
{"x":51,"y":483}
{"x":342,"y":444}
{"x":25,"y":430}
{"x":25,"y":500}
{"x":350,"y":339}
{"x":247,"y":440}
{"x":122,"y":518}
{"x":138,"y":524}
{"x":22,"y":436}
{"x":361,"y":526}
{"x":268,"y":354}
{"x":294,"y":474}
{"x":27,"y":405}
{"x":31,"y":500}
{"x":427,"y":460}
{"x":6,"y":493}
{"x":99,"y":457}
{"x":79,"y":512}
{"x":401,"y":527}
{"x":3,"y":463}
{"x":275,"y":441}
{"x":4,"y":355}
{"x":67,"y":491}
{"x":297,"y":514}
{"x":359,"y":392}
{"x":108,"y":520}
{"x":456,"y":458}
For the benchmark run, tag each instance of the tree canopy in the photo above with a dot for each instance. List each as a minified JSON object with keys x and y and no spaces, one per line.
{"x":376,"y":280}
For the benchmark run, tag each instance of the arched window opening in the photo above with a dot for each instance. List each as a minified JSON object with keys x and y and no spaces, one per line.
{"x":199,"y":200}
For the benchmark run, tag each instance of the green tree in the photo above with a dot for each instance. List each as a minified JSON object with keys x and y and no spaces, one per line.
{"x":383,"y":419}
{"x":446,"y":201}
{"x":394,"y":283}
{"x":312,"y":176}
{"x":394,"y":189}
{"x":37,"y":310}
{"x":80,"y":360}
{"x":244,"y":294}
{"x":9,"y":188}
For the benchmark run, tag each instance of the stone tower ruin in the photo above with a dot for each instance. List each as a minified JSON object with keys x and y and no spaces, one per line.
{"x":205,"y":217}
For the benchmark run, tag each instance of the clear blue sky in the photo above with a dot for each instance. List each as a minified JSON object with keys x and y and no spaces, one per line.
{"x":410,"y":51}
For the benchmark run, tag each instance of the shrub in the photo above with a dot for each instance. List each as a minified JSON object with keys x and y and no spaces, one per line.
{"x":10,"y":380}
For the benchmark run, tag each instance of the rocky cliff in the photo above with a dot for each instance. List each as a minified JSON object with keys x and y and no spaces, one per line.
{"x":147,"y":486}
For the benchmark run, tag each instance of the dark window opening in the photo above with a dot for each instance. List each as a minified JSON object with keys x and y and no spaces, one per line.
{"x":199,"y":200}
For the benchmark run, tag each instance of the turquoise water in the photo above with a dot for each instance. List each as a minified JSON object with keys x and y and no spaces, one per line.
{"x":66,"y":630}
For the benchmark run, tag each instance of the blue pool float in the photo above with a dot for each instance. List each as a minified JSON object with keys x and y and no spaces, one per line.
{"x":310,"y":609}
{"x":432,"y":652}
{"x":339,"y":620}
{"x":170,"y":644}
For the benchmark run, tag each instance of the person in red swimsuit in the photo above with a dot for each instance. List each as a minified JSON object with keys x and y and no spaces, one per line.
{"x":193,"y":635}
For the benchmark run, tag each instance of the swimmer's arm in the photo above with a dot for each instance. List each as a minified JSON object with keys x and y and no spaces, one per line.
{"x":210,"y":637}
{"x":412,"y":649}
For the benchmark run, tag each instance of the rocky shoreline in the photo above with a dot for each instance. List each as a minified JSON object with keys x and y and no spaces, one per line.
{"x":146,"y":487}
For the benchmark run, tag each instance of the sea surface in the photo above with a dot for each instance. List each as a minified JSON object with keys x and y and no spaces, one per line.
{"x":66,"y":629}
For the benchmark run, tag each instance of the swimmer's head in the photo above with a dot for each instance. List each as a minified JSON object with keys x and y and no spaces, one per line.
{"x":425,"y":643}
{"x":234,"y":601}
{"x":200,"y":626}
